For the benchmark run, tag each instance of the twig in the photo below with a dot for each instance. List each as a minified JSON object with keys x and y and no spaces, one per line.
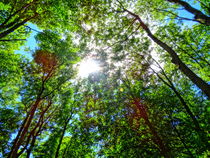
{"x":177,"y":16}
{"x":7,"y":40}
{"x":33,"y":29}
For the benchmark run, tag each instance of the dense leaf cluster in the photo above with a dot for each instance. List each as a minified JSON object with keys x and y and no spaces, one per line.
{"x":149,"y":99}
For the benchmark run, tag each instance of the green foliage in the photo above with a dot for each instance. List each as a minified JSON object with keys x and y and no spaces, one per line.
{"x":138,"y":105}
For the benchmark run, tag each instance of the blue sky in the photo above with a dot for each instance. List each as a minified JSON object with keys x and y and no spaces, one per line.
{"x":31,"y":42}
{"x":186,"y":14}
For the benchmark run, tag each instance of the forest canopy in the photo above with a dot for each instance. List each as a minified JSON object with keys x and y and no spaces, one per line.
{"x":104,"y":78}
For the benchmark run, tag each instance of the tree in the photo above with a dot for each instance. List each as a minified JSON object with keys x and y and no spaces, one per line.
{"x":198,"y":15}
{"x":149,"y":99}
{"x":40,"y":98}
{"x":15,"y":14}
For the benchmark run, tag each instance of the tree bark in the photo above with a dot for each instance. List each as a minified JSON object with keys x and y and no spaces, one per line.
{"x":18,"y":135}
{"x":33,"y":141}
{"x":27,"y":122}
{"x":39,"y":126}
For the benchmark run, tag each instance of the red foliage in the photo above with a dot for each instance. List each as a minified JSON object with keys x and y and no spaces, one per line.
{"x":48,"y":61}
{"x":138,"y":112}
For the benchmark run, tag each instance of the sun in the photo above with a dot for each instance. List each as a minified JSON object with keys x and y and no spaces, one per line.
{"x":87,"y":67}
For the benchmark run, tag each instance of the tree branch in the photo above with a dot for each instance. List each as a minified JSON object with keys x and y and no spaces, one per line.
{"x":10,"y":40}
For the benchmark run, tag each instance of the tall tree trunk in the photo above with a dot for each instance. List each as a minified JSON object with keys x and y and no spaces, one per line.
{"x":14,"y":150}
{"x":33,"y":141}
{"x":25,"y":128}
{"x":163,"y":149}
{"x":143,"y":114}
{"x":18,"y":135}
{"x":181,"y":139}
{"x":40,"y":124}
{"x":198,"y":15}
{"x":61,"y":138}
{"x":175,"y":58}
{"x":173,"y":88}
{"x":187,"y":108}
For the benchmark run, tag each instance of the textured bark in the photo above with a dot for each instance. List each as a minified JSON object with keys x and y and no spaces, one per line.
{"x":31,"y":139}
{"x":175,"y":58}
{"x":198,"y":15}
{"x":42,"y":123}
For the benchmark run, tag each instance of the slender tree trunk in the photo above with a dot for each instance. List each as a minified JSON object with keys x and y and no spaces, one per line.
{"x":198,"y":15}
{"x":32,"y":134}
{"x":25,"y":128}
{"x":195,"y":122}
{"x":163,"y":149}
{"x":173,"y":88}
{"x":177,"y":61}
{"x":14,"y":150}
{"x":61,"y":138}
{"x":181,"y":139}
{"x":187,"y":108}
{"x":143,"y":114}
{"x":175,"y":58}
{"x":18,"y":135}
{"x":33,"y":141}
{"x":39,"y":126}
{"x":31,"y":147}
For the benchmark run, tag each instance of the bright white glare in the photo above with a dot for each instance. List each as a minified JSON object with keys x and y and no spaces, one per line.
{"x":88,"y":66}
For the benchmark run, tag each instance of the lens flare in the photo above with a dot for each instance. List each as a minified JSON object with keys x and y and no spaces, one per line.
{"x":87,"y":67}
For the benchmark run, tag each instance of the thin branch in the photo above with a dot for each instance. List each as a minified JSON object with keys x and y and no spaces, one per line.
{"x":122,"y":41}
{"x":177,"y":16}
{"x":25,"y":6}
{"x":202,"y":4}
{"x":33,"y":29}
{"x":10,"y":40}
